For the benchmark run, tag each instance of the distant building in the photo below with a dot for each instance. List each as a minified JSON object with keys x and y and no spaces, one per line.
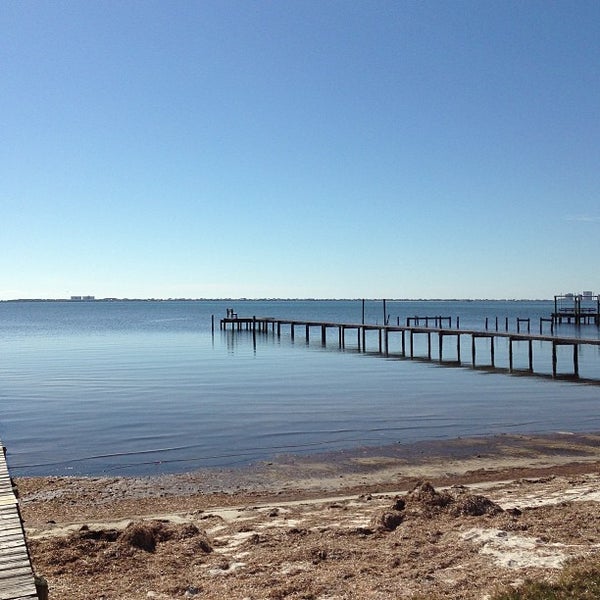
{"x":82,"y":298}
{"x":76,"y":298}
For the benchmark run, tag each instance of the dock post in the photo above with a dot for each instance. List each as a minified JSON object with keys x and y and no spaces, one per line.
{"x":576,"y":360}
{"x":458,"y":347}
{"x":324,"y":335}
{"x":307,"y":334}
{"x":412,"y":343}
{"x":492,"y":356}
{"x":292,"y":331}
{"x":429,"y":345}
{"x":358,"y":336}
{"x":473,"y":350}
{"x":440,"y":345}
{"x":403,"y":343}
{"x":380,"y":348}
{"x":212,"y":320}
{"x":531,"y":356}
{"x":510,"y":354}
{"x":553,"y":359}
{"x":386,"y":342}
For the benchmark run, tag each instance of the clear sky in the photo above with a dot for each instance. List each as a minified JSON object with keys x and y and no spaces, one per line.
{"x":314,"y":148}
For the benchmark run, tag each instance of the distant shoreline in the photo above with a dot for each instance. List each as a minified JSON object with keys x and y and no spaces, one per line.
{"x":69,"y":300}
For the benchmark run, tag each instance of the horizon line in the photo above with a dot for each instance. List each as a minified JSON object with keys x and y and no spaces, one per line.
{"x":273,"y":299}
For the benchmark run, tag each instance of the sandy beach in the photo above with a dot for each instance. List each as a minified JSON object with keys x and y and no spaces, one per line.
{"x":447,"y":519}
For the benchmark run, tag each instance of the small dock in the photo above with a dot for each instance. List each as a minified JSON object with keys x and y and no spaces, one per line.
{"x":579,"y":309}
{"x":17,"y":581}
{"x":400,"y":340}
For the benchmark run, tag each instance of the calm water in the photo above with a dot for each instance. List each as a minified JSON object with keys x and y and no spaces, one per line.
{"x":144,"y":387}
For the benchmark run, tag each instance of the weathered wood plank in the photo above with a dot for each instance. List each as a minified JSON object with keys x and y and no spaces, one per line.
{"x":16,"y":575}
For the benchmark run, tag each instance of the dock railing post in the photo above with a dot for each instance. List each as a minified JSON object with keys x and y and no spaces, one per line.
{"x":530,"y":356}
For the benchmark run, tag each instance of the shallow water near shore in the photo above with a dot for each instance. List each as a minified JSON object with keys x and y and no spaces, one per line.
{"x":146,"y":387}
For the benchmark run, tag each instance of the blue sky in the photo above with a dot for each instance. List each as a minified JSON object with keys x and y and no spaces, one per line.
{"x":299,"y":149}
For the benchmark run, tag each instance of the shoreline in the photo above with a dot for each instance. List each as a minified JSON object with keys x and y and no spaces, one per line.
{"x":358,"y":470}
{"x":318,"y":526}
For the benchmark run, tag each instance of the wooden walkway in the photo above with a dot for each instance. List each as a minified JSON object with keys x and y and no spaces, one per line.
{"x":407,"y":334}
{"x":16,"y":575}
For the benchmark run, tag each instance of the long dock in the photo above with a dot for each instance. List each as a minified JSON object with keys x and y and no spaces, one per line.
{"x":17,"y":581}
{"x":406,"y":333}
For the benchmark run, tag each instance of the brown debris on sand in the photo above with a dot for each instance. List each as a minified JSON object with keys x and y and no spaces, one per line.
{"x":474,"y":505}
{"x":425,"y":500}
{"x":457,"y":502}
{"x":90,"y":549}
{"x":379,"y":537}
{"x":387,"y":520}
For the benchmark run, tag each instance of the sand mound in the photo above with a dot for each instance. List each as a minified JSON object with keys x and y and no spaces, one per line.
{"x":457,"y":502}
{"x":424,"y":497}
{"x":89,"y":549}
{"x":387,"y":520}
{"x":474,"y":505}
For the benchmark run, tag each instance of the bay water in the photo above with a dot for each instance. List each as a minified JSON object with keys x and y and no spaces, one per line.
{"x":143,"y":387}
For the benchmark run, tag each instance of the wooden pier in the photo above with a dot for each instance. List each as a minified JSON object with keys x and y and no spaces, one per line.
{"x":404,"y":345}
{"x":17,"y":581}
{"x":579,"y":309}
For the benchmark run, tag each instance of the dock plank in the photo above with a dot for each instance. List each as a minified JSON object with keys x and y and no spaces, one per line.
{"x":16,"y":574}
